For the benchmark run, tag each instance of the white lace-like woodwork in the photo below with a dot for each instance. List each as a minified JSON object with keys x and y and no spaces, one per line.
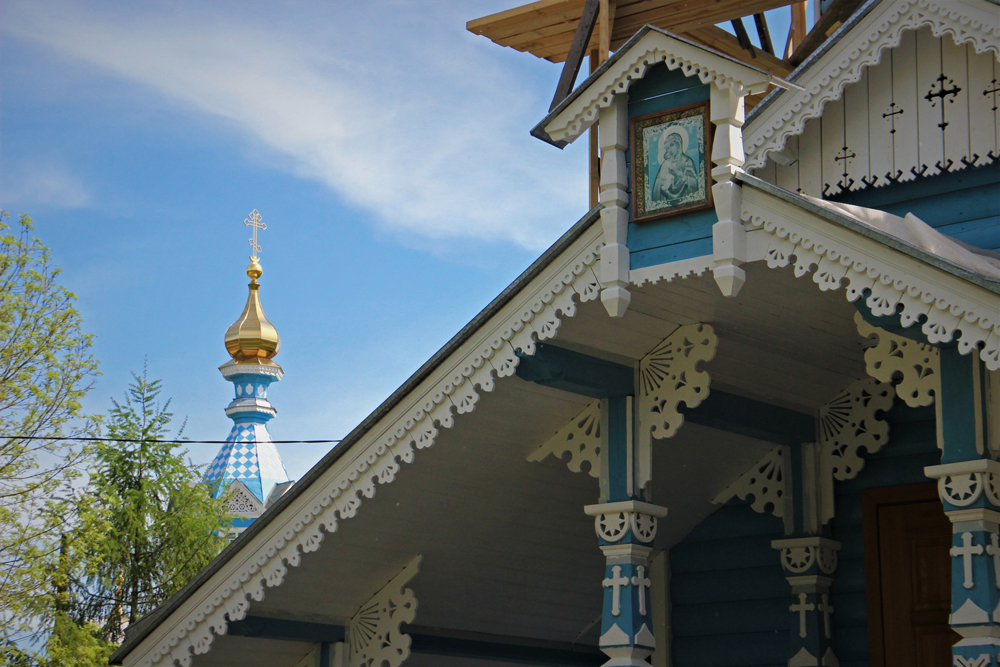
{"x":766,"y":482}
{"x":653,"y":48}
{"x":242,"y":502}
{"x":849,"y":422}
{"x":966,"y":21}
{"x":846,"y":424}
{"x":374,"y":631}
{"x":669,"y":376}
{"x":893,"y":281}
{"x":580,"y":438}
{"x":453,"y":389}
{"x":914,"y":367}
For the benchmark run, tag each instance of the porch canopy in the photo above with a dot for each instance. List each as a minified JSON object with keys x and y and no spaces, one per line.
{"x":436,"y":486}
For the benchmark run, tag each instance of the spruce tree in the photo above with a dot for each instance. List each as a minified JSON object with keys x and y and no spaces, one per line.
{"x":160,"y":525}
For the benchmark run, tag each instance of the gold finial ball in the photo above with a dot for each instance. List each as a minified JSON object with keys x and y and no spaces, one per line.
{"x":254,"y":270}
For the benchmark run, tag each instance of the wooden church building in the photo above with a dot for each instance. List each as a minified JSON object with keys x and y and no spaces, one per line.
{"x":744,"y":412}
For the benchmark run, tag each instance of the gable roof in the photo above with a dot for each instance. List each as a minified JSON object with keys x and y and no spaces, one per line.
{"x":204,"y":622}
{"x":529,"y":310}
{"x":857,"y":44}
{"x":648,"y":47}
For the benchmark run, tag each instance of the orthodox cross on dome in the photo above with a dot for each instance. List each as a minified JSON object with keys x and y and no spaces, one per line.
{"x":254,"y":220}
{"x":966,"y":552}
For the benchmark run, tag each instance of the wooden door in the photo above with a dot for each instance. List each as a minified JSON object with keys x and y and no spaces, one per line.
{"x":908,"y":570}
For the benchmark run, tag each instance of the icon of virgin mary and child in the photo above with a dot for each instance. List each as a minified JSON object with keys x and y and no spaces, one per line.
{"x":677,"y":178}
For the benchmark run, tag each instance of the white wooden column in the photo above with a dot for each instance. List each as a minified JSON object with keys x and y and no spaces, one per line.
{"x":729,"y":245}
{"x":614,"y":197}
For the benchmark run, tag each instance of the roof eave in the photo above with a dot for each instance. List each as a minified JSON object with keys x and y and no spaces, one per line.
{"x":888,"y":240}
{"x":539,"y":131}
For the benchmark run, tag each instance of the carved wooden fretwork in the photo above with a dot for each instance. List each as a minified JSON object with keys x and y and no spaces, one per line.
{"x":767,"y":483}
{"x":375,"y":638}
{"x":242,"y":502}
{"x":453,"y":389}
{"x":914,"y":367}
{"x":848,"y":423}
{"x":889,"y":281}
{"x":669,"y":376}
{"x":653,"y":48}
{"x":862,"y":47}
{"x":580,"y":438}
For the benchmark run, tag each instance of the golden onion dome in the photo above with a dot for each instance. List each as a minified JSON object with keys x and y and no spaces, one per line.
{"x":251,"y":338}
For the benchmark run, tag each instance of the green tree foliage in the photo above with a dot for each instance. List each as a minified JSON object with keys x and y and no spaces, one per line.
{"x":46,"y":367}
{"x":161,"y":524}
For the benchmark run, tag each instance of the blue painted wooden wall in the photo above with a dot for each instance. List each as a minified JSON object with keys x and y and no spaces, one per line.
{"x":963,"y":204}
{"x":912,"y":446}
{"x":730,"y":598}
{"x":682,"y":236}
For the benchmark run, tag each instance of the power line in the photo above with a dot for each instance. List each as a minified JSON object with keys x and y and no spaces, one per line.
{"x":168,"y":442}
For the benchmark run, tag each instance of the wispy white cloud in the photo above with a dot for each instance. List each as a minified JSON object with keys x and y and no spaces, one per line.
{"x":39,"y":183}
{"x":411,"y":119}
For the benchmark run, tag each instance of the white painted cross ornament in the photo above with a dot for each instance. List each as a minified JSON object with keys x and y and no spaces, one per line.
{"x":824,"y":607}
{"x":801,"y":609}
{"x":993,"y":549}
{"x":967,"y":551}
{"x":616,"y":581}
{"x":641,"y":581}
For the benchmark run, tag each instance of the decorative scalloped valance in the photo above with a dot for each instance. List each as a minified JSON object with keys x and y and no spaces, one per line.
{"x":631,"y":63}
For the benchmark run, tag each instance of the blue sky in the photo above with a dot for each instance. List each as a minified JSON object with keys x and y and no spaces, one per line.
{"x":385,"y":146}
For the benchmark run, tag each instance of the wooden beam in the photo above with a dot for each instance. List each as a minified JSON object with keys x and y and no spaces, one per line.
{"x":547,"y":28}
{"x":576,"y":52}
{"x":594,"y":161}
{"x":743,"y":36}
{"x":720,"y":40}
{"x":831,"y":19}
{"x":797,"y":28}
{"x":607,"y":21}
{"x":763,"y":33}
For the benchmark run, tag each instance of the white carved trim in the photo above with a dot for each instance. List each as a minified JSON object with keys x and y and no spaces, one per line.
{"x":916,"y":366}
{"x":453,"y":388}
{"x":653,"y":48}
{"x":614,"y":129}
{"x":846,"y":424}
{"x":241,"y":501}
{"x":613,"y":520}
{"x":836,"y":256}
{"x":581,"y":438}
{"x":798,"y":555}
{"x":375,"y":639}
{"x":672,"y":270}
{"x":767,"y":482}
{"x":668,"y":376}
{"x":967,"y":21}
{"x":230,"y":369}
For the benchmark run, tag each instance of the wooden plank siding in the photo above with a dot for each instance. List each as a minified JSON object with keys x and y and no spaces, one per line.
{"x":912,"y":445}
{"x":900,"y":121}
{"x":683,"y":236}
{"x":964,"y":205}
{"x":728,"y":593}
